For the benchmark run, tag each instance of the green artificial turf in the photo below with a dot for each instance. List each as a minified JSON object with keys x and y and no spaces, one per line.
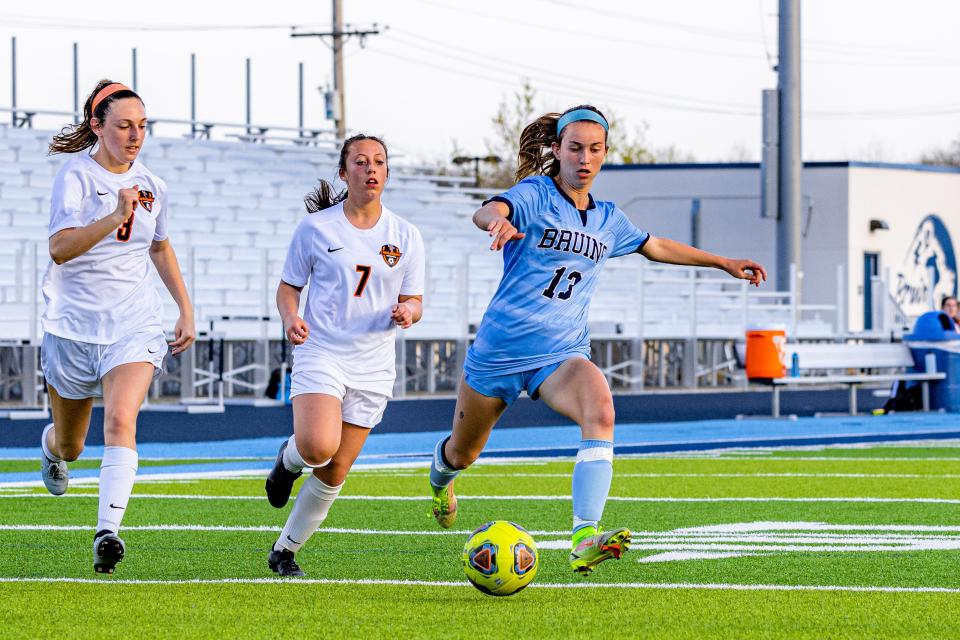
{"x":391,"y":539}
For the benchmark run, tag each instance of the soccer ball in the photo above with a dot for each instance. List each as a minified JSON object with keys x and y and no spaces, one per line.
{"x":500,"y":558}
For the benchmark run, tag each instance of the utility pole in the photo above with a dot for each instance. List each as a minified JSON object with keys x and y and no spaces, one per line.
{"x":338,"y":88}
{"x":791,"y":156}
{"x":337,"y":39}
{"x":76,"y":84}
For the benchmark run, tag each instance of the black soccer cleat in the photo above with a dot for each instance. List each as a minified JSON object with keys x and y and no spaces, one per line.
{"x":108,"y":550}
{"x":280,"y":481}
{"x":283,"y":564}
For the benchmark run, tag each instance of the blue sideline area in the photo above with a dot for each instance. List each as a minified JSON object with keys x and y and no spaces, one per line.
{"x":546,"y":438}
{"x":435,"y":414}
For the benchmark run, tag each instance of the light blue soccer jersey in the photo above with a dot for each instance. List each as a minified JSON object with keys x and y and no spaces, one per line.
{"x":538,"y":316}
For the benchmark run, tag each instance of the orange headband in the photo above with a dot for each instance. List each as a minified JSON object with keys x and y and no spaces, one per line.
{"x":105,"y":93}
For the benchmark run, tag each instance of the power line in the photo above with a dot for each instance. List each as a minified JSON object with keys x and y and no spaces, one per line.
{"x":551,"y":84}
{"x":872,"y":56}
{"x":434,"y":47}
{"x":725,"y":34}
{"x":338,"y":36}
{"x":37,"y":22}
{"x":606,"y":96}
{"x":740,"y":36}
{"x":606,"y":37}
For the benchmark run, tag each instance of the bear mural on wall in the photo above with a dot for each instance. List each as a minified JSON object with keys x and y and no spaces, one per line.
{"x":929,"y":270}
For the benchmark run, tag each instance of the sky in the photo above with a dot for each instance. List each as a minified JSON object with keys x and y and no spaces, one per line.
{"x":879,"y":77}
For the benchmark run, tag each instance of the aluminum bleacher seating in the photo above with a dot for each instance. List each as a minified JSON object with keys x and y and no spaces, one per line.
{"x":234,"y":205}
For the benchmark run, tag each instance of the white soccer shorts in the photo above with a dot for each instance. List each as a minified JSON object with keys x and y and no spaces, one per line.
{"x":360,"y":407}
{"x":75,"y":368}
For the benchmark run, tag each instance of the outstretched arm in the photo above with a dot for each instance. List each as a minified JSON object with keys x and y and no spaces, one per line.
{"x":492,"y":218}
{"x":673,"y":252}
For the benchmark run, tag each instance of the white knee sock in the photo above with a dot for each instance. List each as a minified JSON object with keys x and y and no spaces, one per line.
{"x":309,"y":511}
{"x":45,"y":446}
{"x":117,"y":473}
{"x":292,"y":459}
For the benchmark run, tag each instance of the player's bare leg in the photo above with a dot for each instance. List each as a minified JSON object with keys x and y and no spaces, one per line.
{"x":62,"y":440}
{"x":124,"y":388}
{"x":473,"y":420}
{"x":316,"y":437}
{"x":314,"y":500}
{"x":579,"y":391}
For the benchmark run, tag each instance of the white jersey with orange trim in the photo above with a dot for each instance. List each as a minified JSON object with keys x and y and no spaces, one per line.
{"x":355,"y":277}
{"x":108,"y":292}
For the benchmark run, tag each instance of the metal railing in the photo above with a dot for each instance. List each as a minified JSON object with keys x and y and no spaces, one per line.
{"x":24,"y":118}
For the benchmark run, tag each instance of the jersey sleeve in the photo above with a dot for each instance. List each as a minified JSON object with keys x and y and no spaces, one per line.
{"x":160,"y":201}
{"x":66,"y":201}
{"x":627,"y":237}
{"x":414,"y":275}
{"x":524,"y":199}
{"x":299,"y":262}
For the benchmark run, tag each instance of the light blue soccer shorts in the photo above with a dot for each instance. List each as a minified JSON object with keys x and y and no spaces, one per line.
{"x":508,"y":386}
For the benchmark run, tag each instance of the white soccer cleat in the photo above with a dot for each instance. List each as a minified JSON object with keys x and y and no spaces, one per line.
{"x":56,"y":476}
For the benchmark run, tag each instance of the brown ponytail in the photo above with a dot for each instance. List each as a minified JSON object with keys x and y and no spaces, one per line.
{"x":77,"y":137}
{"x":536,"y":141}
{"x":325,"y":196}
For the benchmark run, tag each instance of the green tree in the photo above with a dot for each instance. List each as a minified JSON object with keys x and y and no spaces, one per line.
{"x":513,"y":114}
{"x":628,"y":145}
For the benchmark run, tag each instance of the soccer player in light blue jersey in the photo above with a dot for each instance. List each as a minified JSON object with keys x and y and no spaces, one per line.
{"x":555,"y":239}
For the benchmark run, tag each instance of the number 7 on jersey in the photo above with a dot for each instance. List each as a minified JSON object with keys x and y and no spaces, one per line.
{"x":364,"y":271}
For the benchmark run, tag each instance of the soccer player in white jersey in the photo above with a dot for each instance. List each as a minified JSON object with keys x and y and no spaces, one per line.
{"x":102,"y":323}
{"x":365,"y":270}
{"x":534,"y":335}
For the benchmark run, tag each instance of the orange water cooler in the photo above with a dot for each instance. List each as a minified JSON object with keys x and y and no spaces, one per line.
{"x":765,"y":351}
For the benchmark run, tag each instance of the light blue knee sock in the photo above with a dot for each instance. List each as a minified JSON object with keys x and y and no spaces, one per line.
{"x":441,"y":473}
{"x":591,"y":482}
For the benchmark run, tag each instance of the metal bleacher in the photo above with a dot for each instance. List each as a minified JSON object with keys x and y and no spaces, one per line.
{"x":234,"y":205}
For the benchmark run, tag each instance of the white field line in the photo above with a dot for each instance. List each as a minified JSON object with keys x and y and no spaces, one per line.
{"x":702,"y":475}
{"x":675,"y":536}
{"x":841,"y":459}
{"x":244,"y":474}
{"x":534,"y":498}
{"x":543,"y":461}
{"x":177,"y":460}
{"x":745,"y":547}
{"x":535,"y":585}
{"x":779,"y":525}
{"x":244,"y":529}
{"x":231,"y":474}
{"x":260,"y":528}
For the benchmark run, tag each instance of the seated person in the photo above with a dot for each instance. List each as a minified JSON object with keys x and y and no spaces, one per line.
{"x":950,"y":307}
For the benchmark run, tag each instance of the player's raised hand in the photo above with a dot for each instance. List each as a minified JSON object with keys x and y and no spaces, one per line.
{"x":297,"y":331}
{"x":502,"y":232}
{"x":127,"y":200}
{"x":746,"y":270}
{"x":402,"y":315}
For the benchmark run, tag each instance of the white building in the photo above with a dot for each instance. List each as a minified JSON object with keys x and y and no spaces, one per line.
{"x":898,"y":223}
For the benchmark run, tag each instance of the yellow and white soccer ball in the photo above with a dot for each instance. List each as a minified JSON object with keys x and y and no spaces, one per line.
{"x":500,"y":558}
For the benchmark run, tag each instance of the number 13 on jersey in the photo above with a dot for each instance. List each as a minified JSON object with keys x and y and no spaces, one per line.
{"x":572,"y":279}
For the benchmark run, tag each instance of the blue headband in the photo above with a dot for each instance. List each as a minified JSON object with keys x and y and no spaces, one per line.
{"x":581,"y":114}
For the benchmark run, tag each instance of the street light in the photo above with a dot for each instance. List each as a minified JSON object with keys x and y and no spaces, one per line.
{"x":476,"y":160}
